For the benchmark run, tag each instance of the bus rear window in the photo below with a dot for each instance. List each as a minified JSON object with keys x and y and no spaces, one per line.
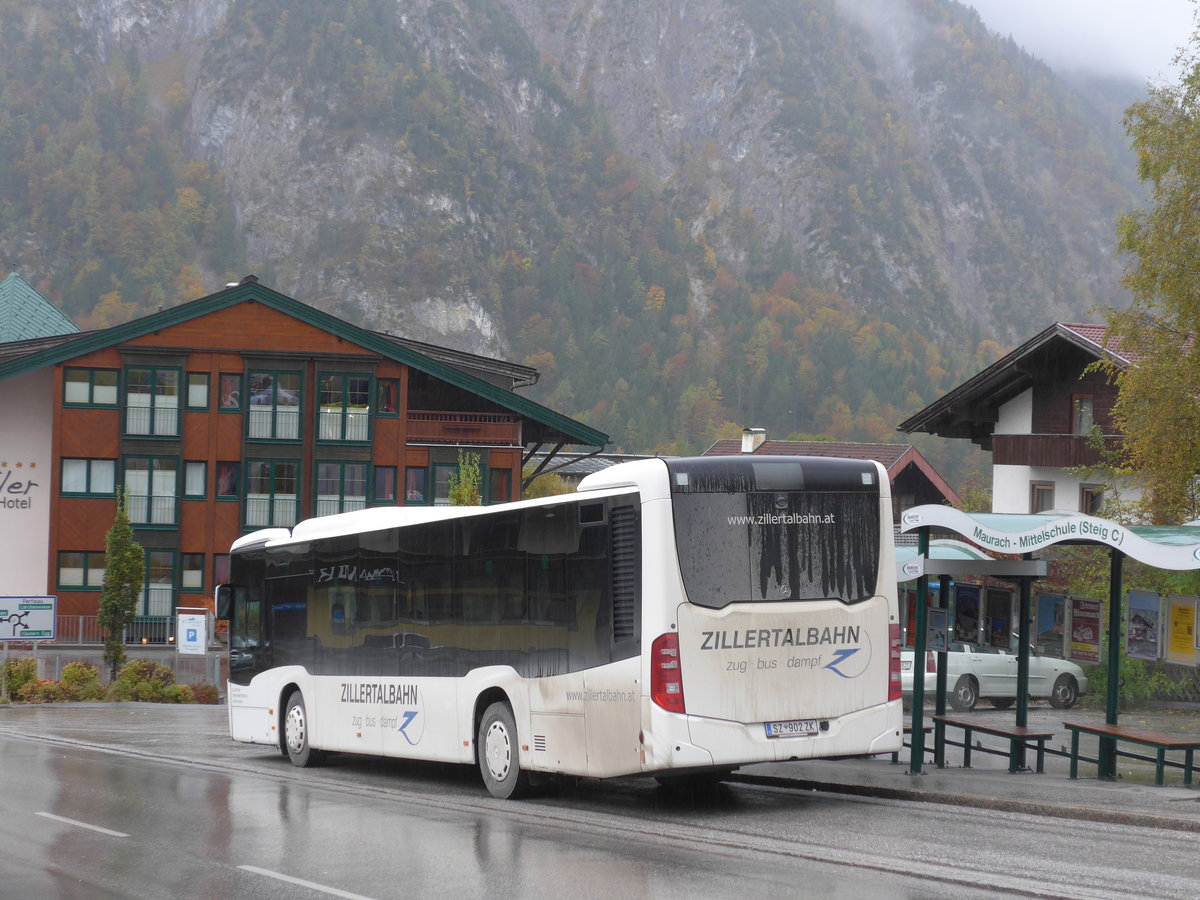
{"x":777,"y":546}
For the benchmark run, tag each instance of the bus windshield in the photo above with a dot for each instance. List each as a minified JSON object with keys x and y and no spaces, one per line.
{"x":780,"y":530}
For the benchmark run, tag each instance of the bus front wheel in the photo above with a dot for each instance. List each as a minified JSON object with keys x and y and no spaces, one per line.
{"x":296,"y":734}
{"x":499,"y":757}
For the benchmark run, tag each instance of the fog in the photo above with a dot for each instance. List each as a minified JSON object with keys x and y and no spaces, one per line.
{"x":1137,"y":38}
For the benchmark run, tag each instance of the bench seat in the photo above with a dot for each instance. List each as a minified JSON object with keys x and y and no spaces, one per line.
{"x":1160,"y":742}
{"x":1019,"y":737}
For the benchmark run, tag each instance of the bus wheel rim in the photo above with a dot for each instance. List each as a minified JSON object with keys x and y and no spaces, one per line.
{"x":498,"y":750}
{"x":295,"y":728}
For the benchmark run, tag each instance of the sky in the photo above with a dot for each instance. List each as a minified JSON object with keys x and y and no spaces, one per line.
{"x":1138,"y":38}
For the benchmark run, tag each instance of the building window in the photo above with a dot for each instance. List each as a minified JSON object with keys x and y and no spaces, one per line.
{"x":1041,"y":497}
{"x":197,"y":390}
{"x":80,"y":570}
{"x":158,"y":593}
{"x":1091,"y":499}
{"x":191,"y":572}
{"x":229,"y":476}
{"x":90,"y":387}
{"x":1081,"y":414}
{"x":414,"y":485}
{"x":221,"y":568}
{"x":271,"y":497}
{"x":388,"y":399}
{"x":195,"y":480}
{"x":385,"y":484}
{"x":341,"y":487}
{"x":231,"y":392}
{"x":500,"y":486}
{"x":441,"y":482}
{"x":151,"y":486}
{"x":345,"y":408}
{"x":89,"y":477}
{"x":274,"y":406}
{"x":152,"y":402}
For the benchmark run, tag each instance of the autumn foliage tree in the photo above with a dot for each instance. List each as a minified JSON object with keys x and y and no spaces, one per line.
{"x":1157,"y":408}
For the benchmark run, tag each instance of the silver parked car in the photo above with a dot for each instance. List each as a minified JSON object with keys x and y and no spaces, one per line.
{"x":974,"y":672}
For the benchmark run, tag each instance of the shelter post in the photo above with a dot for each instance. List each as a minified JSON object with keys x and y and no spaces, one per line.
{"x":1107,"y":767}
{"x":917,"y":760}
{"x":942,"y":665}
{"x":1024,"y":630}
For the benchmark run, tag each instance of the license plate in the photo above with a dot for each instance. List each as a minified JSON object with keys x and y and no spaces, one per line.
{"x":906,"y":665}
{"x":794,"y":728}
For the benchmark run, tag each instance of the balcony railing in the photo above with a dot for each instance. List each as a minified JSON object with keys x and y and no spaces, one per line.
{"x":143,"y":630}
{"x":1058,"y":451}
{"x":429,"y":426}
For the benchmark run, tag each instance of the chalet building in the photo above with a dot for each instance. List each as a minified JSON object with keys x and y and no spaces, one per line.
{"x":241,"y":410}
{"x":914,"y":481}
{"x":1037,"y":410}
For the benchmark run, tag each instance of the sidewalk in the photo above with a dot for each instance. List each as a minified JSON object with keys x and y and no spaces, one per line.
{"x":1132,"y":799}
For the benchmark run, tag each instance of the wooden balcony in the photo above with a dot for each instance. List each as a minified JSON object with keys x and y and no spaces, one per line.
{"x":433,"y":427}
{"x":1059,"y":451}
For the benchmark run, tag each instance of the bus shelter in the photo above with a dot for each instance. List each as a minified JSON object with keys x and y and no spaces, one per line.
{"x":1020,"y":536}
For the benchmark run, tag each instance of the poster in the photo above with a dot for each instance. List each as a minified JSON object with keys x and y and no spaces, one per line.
{"x":966,"y":614}
{"x":935,"y":631}
{"x":1181,"y":636}
{"x":1143,"y":624}
{"x":1051,"y":615}
{"x":999,"y":618}
{"x":1085,"y":630}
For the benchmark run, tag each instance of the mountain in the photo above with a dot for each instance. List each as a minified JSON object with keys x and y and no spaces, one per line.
{"x":809,"y":215}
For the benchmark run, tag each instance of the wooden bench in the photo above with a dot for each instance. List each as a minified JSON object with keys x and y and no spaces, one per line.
{"x":1161,"y":742}
{"x":1019,"y":738}
{"x":926,"y":729}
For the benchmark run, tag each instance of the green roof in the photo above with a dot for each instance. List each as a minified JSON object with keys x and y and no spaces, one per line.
{"x":26,"y":314}
{"x":550,"y":425}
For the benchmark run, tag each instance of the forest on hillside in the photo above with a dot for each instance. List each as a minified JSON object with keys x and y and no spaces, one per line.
{"x":654,"y":312}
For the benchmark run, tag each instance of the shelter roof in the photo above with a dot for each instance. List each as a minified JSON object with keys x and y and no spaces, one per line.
{"x":1176,"y":548}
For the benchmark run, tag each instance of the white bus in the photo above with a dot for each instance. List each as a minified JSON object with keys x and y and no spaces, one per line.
{"x":674,"y":617}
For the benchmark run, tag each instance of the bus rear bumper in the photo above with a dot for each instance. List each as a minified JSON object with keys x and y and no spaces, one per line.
{"x":878,"y":729}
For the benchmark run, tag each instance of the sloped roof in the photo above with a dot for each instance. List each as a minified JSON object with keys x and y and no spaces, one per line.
{"x":548,"y":425}
{"x":25,"y":314}
{"x":968,"y":410}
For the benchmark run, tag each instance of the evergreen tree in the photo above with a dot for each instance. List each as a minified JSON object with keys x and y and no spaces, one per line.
{"x":124,"y":575}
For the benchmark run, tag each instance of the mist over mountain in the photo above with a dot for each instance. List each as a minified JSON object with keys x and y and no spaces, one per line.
{"x":690,"y":215}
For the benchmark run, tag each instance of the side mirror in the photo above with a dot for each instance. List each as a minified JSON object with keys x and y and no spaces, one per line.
{"x":224,"y":602}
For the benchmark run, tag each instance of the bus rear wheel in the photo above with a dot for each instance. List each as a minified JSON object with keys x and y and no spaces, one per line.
{"x":498,"y":749}
{"x":296,"y":732}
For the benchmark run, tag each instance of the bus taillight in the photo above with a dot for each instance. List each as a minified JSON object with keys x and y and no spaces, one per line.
{"x":666,"y":678}
{"x":895,"y":691}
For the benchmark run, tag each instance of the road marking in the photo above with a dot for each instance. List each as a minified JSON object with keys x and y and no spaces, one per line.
{"x":67,"y":821}
{"x":300,"y":881}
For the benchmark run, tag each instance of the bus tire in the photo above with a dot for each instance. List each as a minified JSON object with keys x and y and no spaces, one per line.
{"x":498,"y":750}
{"x":296,"y":734}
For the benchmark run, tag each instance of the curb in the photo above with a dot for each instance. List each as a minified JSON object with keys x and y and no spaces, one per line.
{"x":998,"y":804}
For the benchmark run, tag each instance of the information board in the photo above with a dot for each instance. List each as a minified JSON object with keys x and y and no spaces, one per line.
{"x":28,"y":618}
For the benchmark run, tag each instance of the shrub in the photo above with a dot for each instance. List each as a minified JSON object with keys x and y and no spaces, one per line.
{"x":42,"y":690}
{"x":205,"y":693}
{"x":141,"y":679}
{"x":18,"y":673}
{"x":81,"y":681}
{"x":178,"y":693}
